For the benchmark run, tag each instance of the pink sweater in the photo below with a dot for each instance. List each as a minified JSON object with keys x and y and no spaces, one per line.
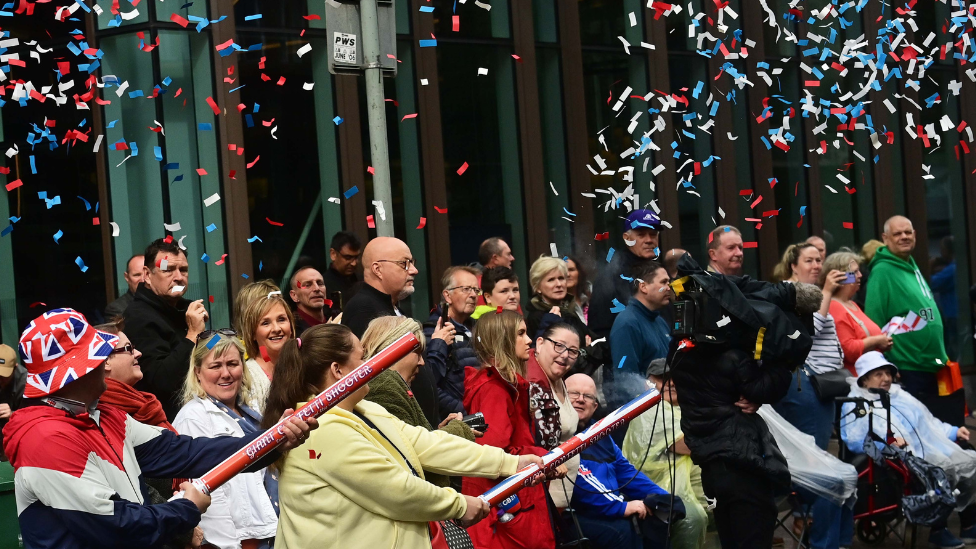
{"x":850,"y":332}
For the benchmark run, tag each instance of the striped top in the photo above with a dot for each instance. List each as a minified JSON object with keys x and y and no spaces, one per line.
{"x":826,"y":354}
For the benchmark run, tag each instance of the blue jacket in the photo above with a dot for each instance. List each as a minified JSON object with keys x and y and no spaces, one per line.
{"x":447,"y":363}
{"x":602,"y":471}
{"x":639,"y":335}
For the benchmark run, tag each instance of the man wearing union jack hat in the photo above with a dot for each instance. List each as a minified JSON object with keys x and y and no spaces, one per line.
{"x":78,"y":464}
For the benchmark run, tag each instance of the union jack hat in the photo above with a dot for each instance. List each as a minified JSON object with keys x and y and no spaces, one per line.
{"x":60,"y":346}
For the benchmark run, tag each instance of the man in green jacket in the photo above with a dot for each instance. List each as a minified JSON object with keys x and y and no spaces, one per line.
{"x":896,"y":287}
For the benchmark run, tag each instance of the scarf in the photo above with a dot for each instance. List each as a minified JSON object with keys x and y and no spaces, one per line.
{"x":143,"y":407}
{"x":567,"y":307}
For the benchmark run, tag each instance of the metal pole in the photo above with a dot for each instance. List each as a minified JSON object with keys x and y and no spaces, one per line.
{"x":376,"y":111}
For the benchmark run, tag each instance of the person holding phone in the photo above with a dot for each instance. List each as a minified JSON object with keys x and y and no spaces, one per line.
{"x":858,"y":334}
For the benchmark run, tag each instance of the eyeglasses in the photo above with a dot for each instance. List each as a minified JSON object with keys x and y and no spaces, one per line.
{"x":466,"y":289}
{"x":207,"y":334}
{"x":560,"y":349}
{"x":573,"y":395}
{"x":127,"y":348}
{"x":349,"y":257}
{"x":404,"y":264}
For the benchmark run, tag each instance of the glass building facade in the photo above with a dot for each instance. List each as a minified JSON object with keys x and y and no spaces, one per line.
{"x":282,"y":158}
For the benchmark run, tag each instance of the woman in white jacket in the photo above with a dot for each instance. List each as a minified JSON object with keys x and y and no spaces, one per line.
{"x":244,"y":512}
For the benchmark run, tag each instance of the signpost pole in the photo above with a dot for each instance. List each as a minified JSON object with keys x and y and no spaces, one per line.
{"x":376,"y":112}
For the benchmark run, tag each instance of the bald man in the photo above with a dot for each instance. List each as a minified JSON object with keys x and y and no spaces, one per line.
{"x":388,"y":273}
{"x":897,"y":288}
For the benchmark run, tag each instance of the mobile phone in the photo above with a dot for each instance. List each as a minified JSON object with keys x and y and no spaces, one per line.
{"x":851,"y":278}
{"x":476,"y":422}
{"x":336,"y":298}
{"x":445,"y":318}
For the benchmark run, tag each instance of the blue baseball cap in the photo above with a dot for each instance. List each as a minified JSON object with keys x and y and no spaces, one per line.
{"x":646,"y":219}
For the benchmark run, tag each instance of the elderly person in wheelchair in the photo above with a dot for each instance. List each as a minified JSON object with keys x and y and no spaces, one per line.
{"x":915,"y":429}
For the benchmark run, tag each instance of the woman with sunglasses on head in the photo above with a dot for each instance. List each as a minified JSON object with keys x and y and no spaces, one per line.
{"x":359,"y":481}
{"x":552,"y":410}
{"x":858,"y":334}
{"x":215,"y":392}
{"x":266,"y":323}
{"x":499,"y":391}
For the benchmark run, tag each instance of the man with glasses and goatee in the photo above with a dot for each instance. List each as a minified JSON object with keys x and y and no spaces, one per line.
{"x":164,"y":325}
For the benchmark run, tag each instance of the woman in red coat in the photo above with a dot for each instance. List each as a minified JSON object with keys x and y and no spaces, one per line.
{"x":500,"y":392}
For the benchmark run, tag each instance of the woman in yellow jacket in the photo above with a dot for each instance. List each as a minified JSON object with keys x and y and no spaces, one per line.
{"x":358,"y":480}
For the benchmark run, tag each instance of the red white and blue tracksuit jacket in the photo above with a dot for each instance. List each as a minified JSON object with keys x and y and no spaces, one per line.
{"x":78,"y":479}
{"x":603,"y":470}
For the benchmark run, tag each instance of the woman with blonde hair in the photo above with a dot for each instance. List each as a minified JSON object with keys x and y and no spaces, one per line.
{"x":217,"y":387}
{"x":499,"y":391}
{"x":857,"y":333}
{"x":391,"y":389}
{"x":548,"y":279}
{"x":266,"y":323}
{"x":359,"y":480}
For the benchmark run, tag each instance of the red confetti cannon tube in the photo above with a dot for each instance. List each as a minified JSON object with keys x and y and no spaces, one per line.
{"x":325,"y":401}
{"x":508,"y":487}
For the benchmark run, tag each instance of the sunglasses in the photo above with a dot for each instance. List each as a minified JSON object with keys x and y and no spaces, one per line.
{"x":207,"y":334}
{"x":127,"y":348}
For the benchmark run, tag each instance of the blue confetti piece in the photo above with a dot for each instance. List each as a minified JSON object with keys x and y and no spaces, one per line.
{"x":42,"y":195}
{"x":621,"y":364}
{"x":235,"y":89}
{"x":33,"y":165}
{"x":81,"y":264}
{"x":337,"y":120}
{"x":8,"y":230}
{"x":178,"y":178}
{"x":205,"y":127}
{"x":627,"y":278}
{"x":158,"y":153}
{"x":172,"y":166}
{"x":698,"y":89}
{"x":564,"y":209}
{"x":244,"y":276}
{"x":134,"y":147}
{"x":426,"y":9}
{"x":617,"y":306}
{"x":167,"y":81}
{"x":351,"y":192}
{"x":657,"y":252}
{"x":205,"y":258}
{"x":428,"y":43}
{"x":254,"y":17}
{"x":609,"y":255}
{"x":803,"y":211}
{"x":112,"y":123}
{"x":249,"y":120}
{"x":213,"y":342}
{"x":260,"y":266}
{"x":136,"y":93}
{"x":14,"y":219}
{"x":254,"y":238}
{"x":83,"y":6}
{"x":211,"y":228}
{"x":257,"y":108}
{"x":58,"y":235}
{"x":87,"y":204}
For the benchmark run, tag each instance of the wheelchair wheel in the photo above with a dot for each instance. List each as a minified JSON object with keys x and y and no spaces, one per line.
{"x":871,"y":531}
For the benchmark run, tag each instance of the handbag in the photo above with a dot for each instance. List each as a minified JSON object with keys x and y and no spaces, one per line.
{"x":830,"y":385}
{"x":444,"y":534}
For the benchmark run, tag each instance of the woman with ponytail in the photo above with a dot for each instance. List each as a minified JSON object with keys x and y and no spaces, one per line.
{"x":359,"y":479}
{"x":499,"y":390}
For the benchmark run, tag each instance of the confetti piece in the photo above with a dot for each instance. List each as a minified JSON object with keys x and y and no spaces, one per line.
{"x":602,"y":236}
{"x":370,"y":222}
{"x":221,"y":260}
{"x":172,"y":227}
{"x":428,"y":43}
{"x":213,"y":342}
{"x":205,"y":258}
{"x":213,"y":105}
{"x":848,"y":225}
{"x":254,"y":239}
{"x":440,"y":210}
{"x":423,"y":223}
{"x":617,"y":306}
{"x":621,"y":363}
{"x":750,"y":244}
{"x":211,"y":228}
{"x":482,"y":71}
{"x":81,"y":264}
{"x":57,"y":236}
{"x":14,"y":184}
{"x":115,"y":228}
{"x":253,"y":17}
{"x":253,"y":162}
{"x":462,"y":169}
{"x":610,"y":255}
{"x":275,"y":223}
{"x":406,"y":116}
{"x":201,"y":171}
{"x":38,"y":304}
{"x":351,"y":192}
{"x":307,"y":86}
{"x":211,"y":200}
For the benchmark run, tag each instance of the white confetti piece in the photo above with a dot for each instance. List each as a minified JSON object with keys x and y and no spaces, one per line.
{"x":176,"y":289}
{"x":486,"y":7}
{"x":794,"y":335}
{"x":380,"y":210}
{"x":273,"y":130}
{"x":724,"y":321}
{"x":115,"y":228}
{"x":831,"y":189}
{"x":304,"y":49}
{"x":98,"y":142}
{"x":633,"y":19}
{"x":307,"y":86}
{"x":552,"y":248}
{"x":172,"y":227}
{"x":630,"y":242}
{"x":423,"y":81}
{"x":553,"y":187}
{"x":211,"y":200}
{"x":482,"y":71}
{"x":122,"y":88}
{"x":180,"y":243}
{"x":334,"y":200}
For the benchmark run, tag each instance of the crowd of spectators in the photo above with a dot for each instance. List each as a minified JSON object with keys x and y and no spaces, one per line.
{"x":396,"y":464}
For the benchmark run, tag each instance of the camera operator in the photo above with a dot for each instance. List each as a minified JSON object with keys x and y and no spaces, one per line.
{"x":732,"y":355}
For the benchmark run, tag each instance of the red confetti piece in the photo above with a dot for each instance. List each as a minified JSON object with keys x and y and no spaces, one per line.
{"x":121,"y":146}
{"x":311,"y":454}
{"x":4,"y":170}
{"x":213,"y":105}
{"x":848,"y":225}
{"x":850,"y":190}
{"x":232,"y":146}
{"x":38,"y":303}
{"x":602,"y":236}
{"x":240,"y":108}
{"x":168,"y":239}
{"x":750,"y":244}
{"x":406,"y":116}
{"x":281,"y":81}
{"x":261,"y":63}
{"x":745,"y":192}
{"x":772,"y":184}
{"x":711,"y":236}
{"x":178,"y":92}
{"x":275,"y":223}
{"x":370,"y":222}
{"x":456,"y":23}
{"x":211,"y":299}
{"x":499,"y":310}
{"x":312,"y":17}
{"x":201,"y":171}
{"x":96,"y":221}
{"x":328,"y":302}
{"x":462,"y":169}
{"x":179,"y":20}
{"x":440,"y":210}
{"x":221,"y":260}
{"x":516,"y":58}
{"x":253,"y":162}
{"x":233,"y":174}
{"x":423,"y":223}
{"x":371,"y":170}
{"x":756,"y":202}
{"x":14,"y":184}
{"x":962,"y":126}
{"x":267,"y":123}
